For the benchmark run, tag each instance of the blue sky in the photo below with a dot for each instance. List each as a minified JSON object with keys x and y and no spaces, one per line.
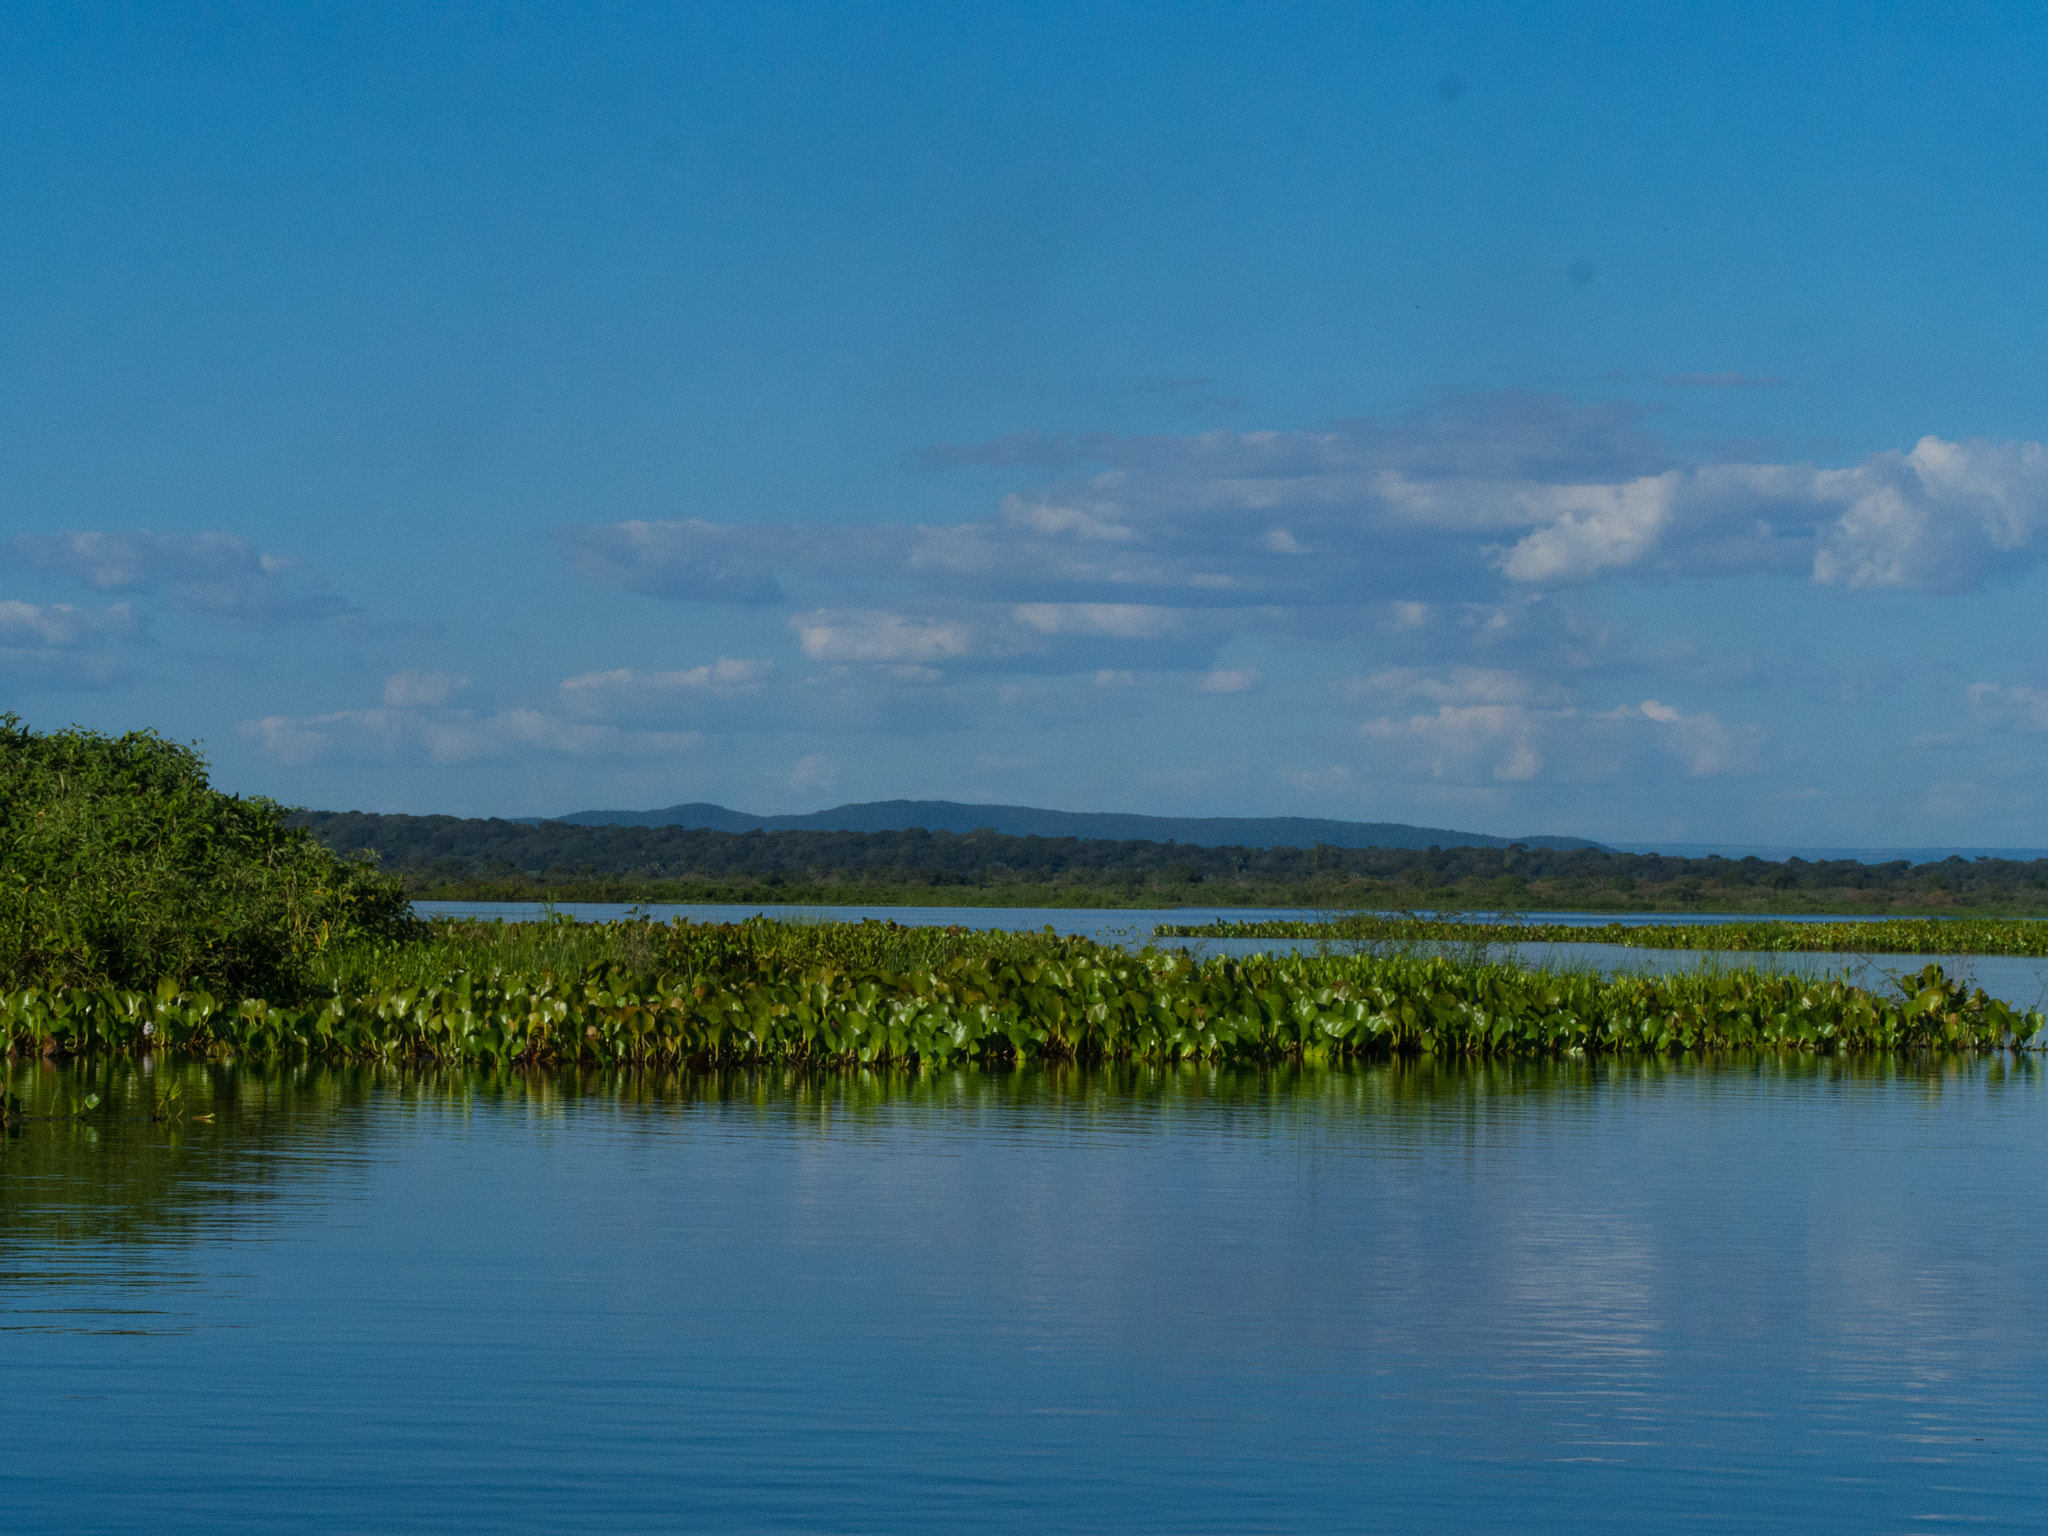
{"x":1602,"y":420}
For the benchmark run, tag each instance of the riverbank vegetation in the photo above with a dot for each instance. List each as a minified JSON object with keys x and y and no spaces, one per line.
{"x":837,"y":994}
{"x":452,"y":858}
{"x":121,"y":867}
{"x":144,"y":913}
{"x":1893,"y":936}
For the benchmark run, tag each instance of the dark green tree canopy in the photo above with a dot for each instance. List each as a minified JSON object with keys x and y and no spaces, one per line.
{"x":121,"y":866}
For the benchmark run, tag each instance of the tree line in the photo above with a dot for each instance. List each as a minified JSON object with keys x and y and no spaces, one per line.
{"x":482,"y":857}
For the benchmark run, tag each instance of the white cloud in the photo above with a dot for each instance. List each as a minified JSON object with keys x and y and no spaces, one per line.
{"x":1597,"y":526}
{"x":877,"y":636}
{"x":217,"y":573}
{"x":1232,"y":680}
{"x":59,"y":646}
{"x":60,"y":626}
{"x":728,"y":677}
{"x":1124,"y":621}
{"x":1051,"y":520}
{"x":1514,"y":743}
{"x":814,"y":773}
{"x":1943,"y":518}
{"x":451,"y":736}
{"x":415,"y":687}
{"x":1455,"y":685}
{"x":1026,"y":637}
{"x":1464,"y":741}
{"x":1704,"y":742}
{"x":1996,"y":705}
{"x":1440,"y":551}
{"x":1444,"y":503}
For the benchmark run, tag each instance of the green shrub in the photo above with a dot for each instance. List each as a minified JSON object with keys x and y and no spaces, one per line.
{"x":120,"y":866}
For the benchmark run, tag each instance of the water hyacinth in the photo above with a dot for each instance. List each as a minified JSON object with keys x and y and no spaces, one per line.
{"x":1889,"y":936}
{"x":755,"y":994}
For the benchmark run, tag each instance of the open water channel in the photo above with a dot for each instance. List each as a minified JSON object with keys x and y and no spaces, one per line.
{"x":1782,"y":1295}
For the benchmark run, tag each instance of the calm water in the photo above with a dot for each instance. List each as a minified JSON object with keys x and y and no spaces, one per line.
{"x":1779,"y":1297}
{"x":2017,"y":979}
{"x":1094,"y":922}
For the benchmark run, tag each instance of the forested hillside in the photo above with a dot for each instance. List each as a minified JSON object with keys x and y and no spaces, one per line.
{"x":452,"y":857}
{"x":1091,"y":826}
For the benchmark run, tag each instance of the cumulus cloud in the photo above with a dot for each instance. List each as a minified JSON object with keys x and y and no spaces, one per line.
{"x":874,"y":636}
{"x":1464,"y":741}
{"x":1446,"y":548}
{"x":1705,"y":743}
{"x":216,"y":573}
{"x":1943,"y":518}
{"x":1515,"y":742}
{"x":1217,"y":519}
{"x":1592,"y":527}
{"x":1529,"y":491}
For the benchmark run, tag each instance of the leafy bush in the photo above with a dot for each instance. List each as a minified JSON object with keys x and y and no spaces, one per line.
{"x":120,"y":866}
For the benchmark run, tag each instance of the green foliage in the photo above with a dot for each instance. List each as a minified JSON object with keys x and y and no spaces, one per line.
{"x":1893,"y":936}
{"x":479,"y":859}
{"x":836,"y":994}
{"x":121,"y":867}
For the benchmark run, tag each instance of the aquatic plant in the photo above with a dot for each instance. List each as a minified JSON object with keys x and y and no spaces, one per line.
{"x":871,"y":993}
{"x":1887,"y":936}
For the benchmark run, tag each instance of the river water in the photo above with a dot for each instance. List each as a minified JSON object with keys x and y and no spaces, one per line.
{"x":1780,"y":1295}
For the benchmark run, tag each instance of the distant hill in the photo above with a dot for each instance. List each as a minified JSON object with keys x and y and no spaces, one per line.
{"x":1028,"y":821}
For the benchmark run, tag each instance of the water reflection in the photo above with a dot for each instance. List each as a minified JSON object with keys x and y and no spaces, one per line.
{"x":1771,"y":1293}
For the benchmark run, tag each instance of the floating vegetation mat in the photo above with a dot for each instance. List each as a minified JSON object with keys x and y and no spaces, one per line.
{"x":1888,"y":936}
{"x":842,"y":994}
